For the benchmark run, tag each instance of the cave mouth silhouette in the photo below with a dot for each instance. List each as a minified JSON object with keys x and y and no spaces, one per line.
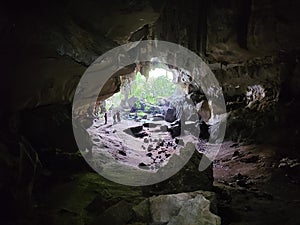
{"x":141,"y":97}
{"x":115,"y":71}
{"x":140,"y":125}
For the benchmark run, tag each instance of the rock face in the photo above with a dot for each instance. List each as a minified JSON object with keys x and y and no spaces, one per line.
{"x":251,"y":56}
{"x":252,"y":53}
{"x":55,"y":54}
{"x":182,"y":209}
{"x":120,"y":213}
{"x":195,"y":211}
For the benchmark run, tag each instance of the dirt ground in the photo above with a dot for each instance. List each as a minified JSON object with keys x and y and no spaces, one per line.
{"x":257,"y":184}
{"x":151,"y":151}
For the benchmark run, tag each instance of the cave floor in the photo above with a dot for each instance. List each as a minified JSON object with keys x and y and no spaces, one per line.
{"x":152,"y":150}
{"x":257,"y":184}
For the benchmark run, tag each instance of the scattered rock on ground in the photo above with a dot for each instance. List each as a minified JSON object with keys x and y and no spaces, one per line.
{"x":188,"y":179}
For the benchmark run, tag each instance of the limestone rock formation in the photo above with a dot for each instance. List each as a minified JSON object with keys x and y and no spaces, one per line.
{"x":183,"y":208}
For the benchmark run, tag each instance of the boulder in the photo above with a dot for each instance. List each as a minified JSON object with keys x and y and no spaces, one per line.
{"x":164,"y":207}
{"x":142,"y":211}
{"x":136,"y":131}
{"x":175,"y":130}
{"x":183,"y":208}
{"x":118,"y":214}
{"x":195,"y":211}
{"x":170,"y":115}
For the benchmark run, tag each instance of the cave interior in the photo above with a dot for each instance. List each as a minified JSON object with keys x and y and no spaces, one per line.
{"x":253,"y":49}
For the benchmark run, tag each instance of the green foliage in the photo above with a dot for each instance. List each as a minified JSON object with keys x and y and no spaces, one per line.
{"x":153,"y":89}
{"x":140,"y":114}
{"x":146,"y":90}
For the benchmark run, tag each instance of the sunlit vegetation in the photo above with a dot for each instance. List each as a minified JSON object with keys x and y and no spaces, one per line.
{"x":159,"y":85}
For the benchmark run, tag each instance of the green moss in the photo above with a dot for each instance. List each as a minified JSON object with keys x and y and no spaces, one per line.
{"x":69,"y":201}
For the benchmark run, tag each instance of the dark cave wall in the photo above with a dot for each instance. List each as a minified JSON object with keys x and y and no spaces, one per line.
{"x":246,"y":43}
{"x":47,"y":47}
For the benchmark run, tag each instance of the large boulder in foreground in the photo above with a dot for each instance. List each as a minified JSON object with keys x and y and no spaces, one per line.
{"x":184,"y":208}
{"x":195,"y":211}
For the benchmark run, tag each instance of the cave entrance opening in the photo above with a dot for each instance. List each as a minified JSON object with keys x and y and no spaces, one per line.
{"x":148,"y":120}
{"x":142,"y":97}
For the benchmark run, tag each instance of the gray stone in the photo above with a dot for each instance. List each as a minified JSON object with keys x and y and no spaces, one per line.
{"x":164,"y":207}
{"x":183,"y":208}
{"x":170,"y":115}
{"x":142,"y":211}
{"x":195,"y":212}
{"x":164,"y":128}
{"x":120,"y":213}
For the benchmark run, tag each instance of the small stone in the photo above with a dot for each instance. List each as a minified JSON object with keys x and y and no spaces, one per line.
{"x":143,"y":166}
{"x":236,"y":153}
{"x":142,"y":211}
{"x":150,"y":148}
{"x":161,"y":143}
{"x":122,"y":153}
{"x":162,"y":151}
